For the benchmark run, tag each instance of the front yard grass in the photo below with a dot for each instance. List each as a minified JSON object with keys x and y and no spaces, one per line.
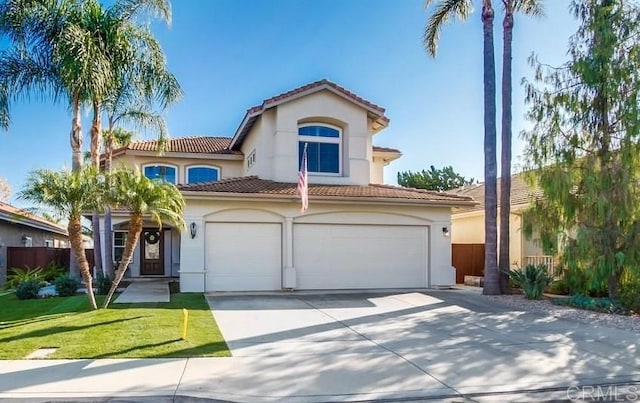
{"x":150,"y":330}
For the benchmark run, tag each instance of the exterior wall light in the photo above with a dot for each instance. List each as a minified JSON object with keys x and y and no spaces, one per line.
{"x":193,"y":229}
{"x":445,"y":231}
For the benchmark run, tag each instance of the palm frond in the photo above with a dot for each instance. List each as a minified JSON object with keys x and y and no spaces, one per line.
{"x":533,"y":8}
{"x":444,"y":11}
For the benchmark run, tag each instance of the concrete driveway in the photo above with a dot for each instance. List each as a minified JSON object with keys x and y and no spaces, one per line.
{"x":411,"y":345}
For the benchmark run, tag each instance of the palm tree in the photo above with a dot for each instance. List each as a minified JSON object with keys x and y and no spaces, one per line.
{"x":527,"y":7}
{"x":443,"y":12}
{"x":52,"y":53}
{"x":158,"y":200}
{"x":70,"y":194}
{"x":138,"y":68}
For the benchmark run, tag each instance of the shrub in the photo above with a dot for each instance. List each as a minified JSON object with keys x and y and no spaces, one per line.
{"x":20,"y":275}
{"x":66,"y":286}
{"x":590,"y":304}
{"x":559,"y":287}
{"x":103,"y":284}
{"x":629,"y":295}
{"x":28,"y":289}
{"x":532,"y":279}
{"x":53,"y":271}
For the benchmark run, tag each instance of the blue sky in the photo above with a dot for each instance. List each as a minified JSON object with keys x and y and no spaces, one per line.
{"x":230,"y":55}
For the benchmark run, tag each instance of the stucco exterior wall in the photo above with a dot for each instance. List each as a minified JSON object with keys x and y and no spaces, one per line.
{"x":377,"y":171}
{"x":200,"y":212}
{"x":228,"y":168}
{"x":11,"y":235}
{"x":275,"y":139}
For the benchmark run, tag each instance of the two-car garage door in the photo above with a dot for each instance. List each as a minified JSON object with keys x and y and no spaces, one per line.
{"x":248,"y":256}
{"x":329,"y":256}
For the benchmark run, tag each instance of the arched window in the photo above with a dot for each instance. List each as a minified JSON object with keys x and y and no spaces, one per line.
{"x":167,"y":173}
{"x":324,"y":148}
{"x":200,"y":174}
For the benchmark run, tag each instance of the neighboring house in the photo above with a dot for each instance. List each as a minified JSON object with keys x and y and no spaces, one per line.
{"x":19,"y":228}
{"x":468,"y":223}
{"x":245,"y":228}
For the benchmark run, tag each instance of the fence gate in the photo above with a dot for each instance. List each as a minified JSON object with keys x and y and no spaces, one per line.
{"x":468,"y":259}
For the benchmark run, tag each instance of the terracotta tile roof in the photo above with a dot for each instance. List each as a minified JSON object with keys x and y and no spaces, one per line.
{"x":20,"y":216}
{"x":385,"y":150}
{"x":521,"y":193}
{"x":195,"y":144}
{"x":252,"y":185}
{"x":375,"y":111}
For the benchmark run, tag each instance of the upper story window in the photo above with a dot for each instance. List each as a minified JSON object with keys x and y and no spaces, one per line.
{"x":202,"y":174}
{"x":164,"y":172}
{"x":324,"y":148}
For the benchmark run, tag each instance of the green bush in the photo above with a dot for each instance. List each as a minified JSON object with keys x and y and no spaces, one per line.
{"x":591,"y":304}
{"x":532,"y":279}
{"x":103,"y":284}
{"x":559,"y":287}
{"x":53,"y":271}
{"x":629,"y":295}
{"x":66,"y":286}
{"x":20,"y":275}
{"x":28,"y":289}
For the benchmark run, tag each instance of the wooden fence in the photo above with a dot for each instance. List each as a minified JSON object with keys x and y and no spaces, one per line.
{"x":23,"y":257}
{"x":468,"y":259}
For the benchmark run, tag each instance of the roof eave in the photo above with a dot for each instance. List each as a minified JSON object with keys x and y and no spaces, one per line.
{"x":206,"y":195}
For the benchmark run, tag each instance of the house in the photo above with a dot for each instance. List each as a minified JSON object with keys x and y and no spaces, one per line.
{"x":246,"y":231}
{"x":468,"y":223}
{"x":19,"y":228}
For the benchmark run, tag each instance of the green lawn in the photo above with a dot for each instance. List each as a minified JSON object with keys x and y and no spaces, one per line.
{"x":122,"y":331}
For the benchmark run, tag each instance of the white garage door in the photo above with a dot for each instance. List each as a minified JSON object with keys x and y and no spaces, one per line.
{"x":243,"y":257}
{"x":360,"y":256}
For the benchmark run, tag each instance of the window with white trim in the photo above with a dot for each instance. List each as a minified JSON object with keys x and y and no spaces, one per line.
{"x":324,"y":148}
{"x":167,"y":173}
{"x":119,"y":243}
{"x":201,"y":174}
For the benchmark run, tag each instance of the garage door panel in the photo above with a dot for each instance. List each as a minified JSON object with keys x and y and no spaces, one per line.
{"x":243,"y":256}
{"x":360,"y":256}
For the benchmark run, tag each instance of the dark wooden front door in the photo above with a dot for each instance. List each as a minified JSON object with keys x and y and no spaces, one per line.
{"x":152,"y":252}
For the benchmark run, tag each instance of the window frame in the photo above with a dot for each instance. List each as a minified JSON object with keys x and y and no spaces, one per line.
{"x":320,"y":139}
{"x":188,"y":168}
{"x":123,"y":246}
{"x":161,"y":164}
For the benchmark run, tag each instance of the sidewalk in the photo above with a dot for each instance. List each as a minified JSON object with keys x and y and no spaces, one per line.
{"x":257,"y":379}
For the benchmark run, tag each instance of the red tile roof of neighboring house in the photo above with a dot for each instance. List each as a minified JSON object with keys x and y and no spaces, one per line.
{"x":252,"y":185}
{"x":376,"y":112}
{"x":521,"y":193}
{"x":195,"y":144}
{"x":20,"y":216}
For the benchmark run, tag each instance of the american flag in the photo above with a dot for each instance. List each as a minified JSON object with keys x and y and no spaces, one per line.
{"x":303,"y":182}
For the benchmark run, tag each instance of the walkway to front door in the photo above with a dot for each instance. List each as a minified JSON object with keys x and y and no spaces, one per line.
{"x":151,"y":290}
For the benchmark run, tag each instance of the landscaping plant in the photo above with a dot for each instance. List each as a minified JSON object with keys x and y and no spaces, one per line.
{"x":66,"y":286}
{"x":532,"y":279}
{"x":28,"y":289}
{"x":20,"y":275}
{"x":103,"y":283}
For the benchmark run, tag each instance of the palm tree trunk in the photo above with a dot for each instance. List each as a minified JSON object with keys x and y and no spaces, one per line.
{"x":491,"y":275}
{"x":95,"y":162}
{"x":108,"y":231}
{"x":505,"y":160}
{"x":135,"y":228}
{"x":77,"y":246}
{"x":75,"y":138}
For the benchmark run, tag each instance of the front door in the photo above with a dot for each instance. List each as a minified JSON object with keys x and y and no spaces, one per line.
{"x":152,"y":251}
